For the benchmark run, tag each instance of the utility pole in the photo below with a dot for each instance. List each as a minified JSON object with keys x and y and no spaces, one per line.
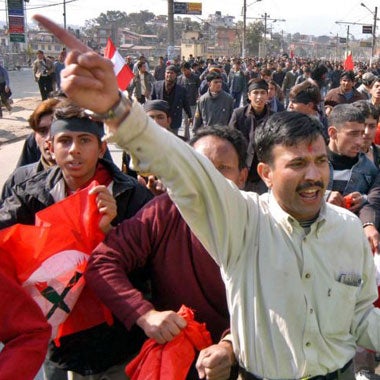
{"x":64,"y":14}
{"x":359,"y":23}
{"x":244,"y":28}
{"x":171,"y":22}
{"x":374,"y":28}
{"x":265,"y":33}
{"x":374,"y":33}
{"x":244,"y":12}
{"x":348,"y":31}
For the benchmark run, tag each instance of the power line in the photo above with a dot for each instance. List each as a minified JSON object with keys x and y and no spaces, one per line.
{"x":50,"y":5}
{"x":45,"y":6}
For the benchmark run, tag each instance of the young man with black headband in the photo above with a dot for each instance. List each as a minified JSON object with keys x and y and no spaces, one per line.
{"x":247,"y":119}
{"x":77,"y":149}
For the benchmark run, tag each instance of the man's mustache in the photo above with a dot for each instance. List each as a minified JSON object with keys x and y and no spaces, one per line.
{"x":308,"y":185}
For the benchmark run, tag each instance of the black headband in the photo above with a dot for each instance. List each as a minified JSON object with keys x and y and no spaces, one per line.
{"x":75,"y":124}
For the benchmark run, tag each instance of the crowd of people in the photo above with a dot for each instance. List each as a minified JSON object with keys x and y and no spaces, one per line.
{"x":262,"y":216}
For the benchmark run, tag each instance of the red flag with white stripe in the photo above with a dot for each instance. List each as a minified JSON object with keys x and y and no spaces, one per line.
{"x":122,"y":71}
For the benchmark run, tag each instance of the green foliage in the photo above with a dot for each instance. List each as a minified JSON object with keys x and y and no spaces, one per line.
{"x":255,"y":32}
{"x":137,"y":22}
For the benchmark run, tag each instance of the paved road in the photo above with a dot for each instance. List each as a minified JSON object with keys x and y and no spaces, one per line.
{"x":23,"y":84}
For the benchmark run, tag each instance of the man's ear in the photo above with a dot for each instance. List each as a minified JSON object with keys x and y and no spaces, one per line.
{"x":266,"y":174}
{"x":332,"y":132}
{"x":103,"y":148}
{"x":243,"y":175}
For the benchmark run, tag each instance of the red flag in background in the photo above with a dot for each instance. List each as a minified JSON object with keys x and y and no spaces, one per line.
{"x":349,"y":63}
{"x":49,"y":259}
{"x":123,"y":73}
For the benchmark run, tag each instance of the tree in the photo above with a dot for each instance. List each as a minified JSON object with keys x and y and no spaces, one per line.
{"x":139,"y":22}
{"x":117,"y":19}
{"x":254,"y":37}
{"x":276,"y":43}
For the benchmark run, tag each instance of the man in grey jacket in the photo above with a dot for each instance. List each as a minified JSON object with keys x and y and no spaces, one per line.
{"x":215,"y":107}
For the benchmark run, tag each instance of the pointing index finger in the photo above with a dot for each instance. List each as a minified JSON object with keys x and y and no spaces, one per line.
{"x":62,"y":34}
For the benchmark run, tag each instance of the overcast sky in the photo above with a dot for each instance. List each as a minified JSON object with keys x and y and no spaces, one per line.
{"x":307,"y":17}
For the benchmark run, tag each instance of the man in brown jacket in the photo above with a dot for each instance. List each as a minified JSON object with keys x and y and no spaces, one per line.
{"x":345,"y":93}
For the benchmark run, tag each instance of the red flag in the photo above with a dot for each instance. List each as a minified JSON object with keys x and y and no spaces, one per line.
{"x":349,"y":63}
{"x":173,"y":359}
{"x":122,"y":71}
{"x":49,"y":259}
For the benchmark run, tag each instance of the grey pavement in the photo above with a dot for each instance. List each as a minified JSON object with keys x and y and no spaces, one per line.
{"x":25,"y":95}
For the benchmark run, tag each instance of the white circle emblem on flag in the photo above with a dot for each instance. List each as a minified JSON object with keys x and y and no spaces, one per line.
{"x":57,"y":284}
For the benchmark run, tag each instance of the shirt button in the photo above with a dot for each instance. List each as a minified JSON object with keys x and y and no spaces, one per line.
{"x":308,"y":344}
{"x":311,"y":311}
{"x":307,"y":275}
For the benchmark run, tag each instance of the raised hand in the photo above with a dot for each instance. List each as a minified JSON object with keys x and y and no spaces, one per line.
{"x":88,"y":78}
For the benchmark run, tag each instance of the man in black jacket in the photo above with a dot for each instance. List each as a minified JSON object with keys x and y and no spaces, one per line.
{"x":77,"y":148}
{"x":175,"y":94}
{"x":247,"y":119}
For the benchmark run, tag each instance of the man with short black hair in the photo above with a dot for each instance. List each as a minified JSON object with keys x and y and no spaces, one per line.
{"x":43,"y":70}
{"x":215,"y":107}
{"x":140,"y":59}
{"x":159,"y":70}
{"x":175,"y":94}
{"x":247,"y":119}
{"x":191,"y":82}
{"x":352,"y":172}
{"x":366,"y":85}
{"x":288,"y":82}
{"x":159,"y":111}
{"x":237,"y":83}
{"x":345,"y":93}
{"x":375,"y":93}
{"x":142,"y":83}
